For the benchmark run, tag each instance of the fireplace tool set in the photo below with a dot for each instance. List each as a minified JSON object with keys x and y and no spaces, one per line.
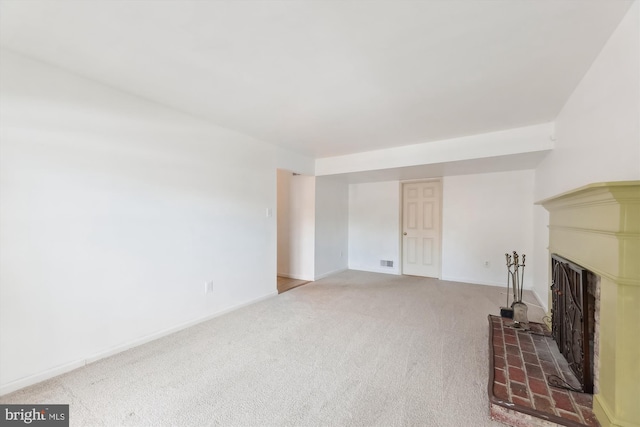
{"x":515,"y":280}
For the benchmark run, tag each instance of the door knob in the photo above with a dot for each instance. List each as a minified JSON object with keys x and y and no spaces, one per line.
{"x":405,"y":233}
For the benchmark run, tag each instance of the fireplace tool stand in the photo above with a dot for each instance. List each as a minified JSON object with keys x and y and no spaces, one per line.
{"x":515,"y":280}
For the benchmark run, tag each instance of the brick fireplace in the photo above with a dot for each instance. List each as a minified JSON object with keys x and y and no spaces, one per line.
{"x":598,"y":227}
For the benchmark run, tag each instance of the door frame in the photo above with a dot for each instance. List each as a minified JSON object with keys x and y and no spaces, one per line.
{"x":439,"y":180}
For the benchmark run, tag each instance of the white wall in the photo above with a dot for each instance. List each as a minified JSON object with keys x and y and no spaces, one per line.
{"x":331,"y":219}
{"x":283,"y":178}
{"x":302,"y":220}
{"x":541,"y":279}
{"x":312,"y":226}
{"x":296,"y":225}
{"x":598,"y":130}
{"x":484,"y":217}
{"x":115,"y":211}
{"x":374,"y":226}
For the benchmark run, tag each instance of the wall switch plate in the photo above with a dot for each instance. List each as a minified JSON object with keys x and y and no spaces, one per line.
{"x":208,"y":287}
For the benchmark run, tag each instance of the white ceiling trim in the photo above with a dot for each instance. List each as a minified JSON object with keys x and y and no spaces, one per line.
{"x":529,"y":139}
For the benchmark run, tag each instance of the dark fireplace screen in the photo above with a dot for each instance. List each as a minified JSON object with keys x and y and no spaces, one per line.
{"x":573,"y":310}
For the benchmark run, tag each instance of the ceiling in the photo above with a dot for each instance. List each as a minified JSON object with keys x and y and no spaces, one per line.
{"x":326,"y":78}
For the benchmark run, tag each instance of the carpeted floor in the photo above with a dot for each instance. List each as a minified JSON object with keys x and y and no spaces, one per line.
{"x":360,"y":349}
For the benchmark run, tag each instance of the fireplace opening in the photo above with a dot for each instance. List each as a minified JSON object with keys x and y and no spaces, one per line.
{"x":573,"y":317}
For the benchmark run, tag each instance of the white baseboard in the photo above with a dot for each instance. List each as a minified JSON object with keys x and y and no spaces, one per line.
{"x":39,"y":377}
{"x":68,"y":367}
{"x":331,"y":273}
{"x":382,"y":270}
{"x":543,"y":304}
{"x":471,"y":281}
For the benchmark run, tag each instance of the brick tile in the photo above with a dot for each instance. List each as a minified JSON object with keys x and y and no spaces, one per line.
{"x":525,"y":339}
{"x":542,"y":404}
{"x":514,"y":360}
{"x":522,"y":402}
{"x":541,"y":344}
{"x":511,"y":339}
{"x":562,"y":401}
{"x":548,"y":368}
{"x":569,"y":416}
{"x":522,"y":362}
{"x":518,"y":389}
{"x":530,"y":357}
{"x":538,"y":386}
{"x":512,"y":349}
{"x":527,"y":347}
{"x":500,"y":391}
{"x":582,"y":399}
{"x":539,"y":339}
{"x":589,"y":417}
{"x":545,"y":355}
{"x":533,"y":370}
{"x":499,"y":362}
{"x":516,"y":374}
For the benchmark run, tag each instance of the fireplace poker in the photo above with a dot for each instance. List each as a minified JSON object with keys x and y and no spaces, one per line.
{"x":507,"y":311}
{"x":522,"y":277}
{"x":508,"y":257}
{"x":514,"y":281}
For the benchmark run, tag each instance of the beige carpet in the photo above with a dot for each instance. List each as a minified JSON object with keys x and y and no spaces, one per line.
{"x":359,"y":349}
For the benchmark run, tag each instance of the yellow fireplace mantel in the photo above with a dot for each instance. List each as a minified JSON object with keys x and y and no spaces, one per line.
{"x":598,"y":227}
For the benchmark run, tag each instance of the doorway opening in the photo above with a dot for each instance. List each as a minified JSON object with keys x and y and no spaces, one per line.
{"x":295,"y":229}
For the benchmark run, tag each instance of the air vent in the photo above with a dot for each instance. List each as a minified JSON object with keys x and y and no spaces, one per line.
{"x":386,"y":263}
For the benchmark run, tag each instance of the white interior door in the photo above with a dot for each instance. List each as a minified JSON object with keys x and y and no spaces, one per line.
{"x":421,"y":249}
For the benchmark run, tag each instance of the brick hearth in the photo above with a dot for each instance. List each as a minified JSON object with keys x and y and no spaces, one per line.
{"x":519,"y":390}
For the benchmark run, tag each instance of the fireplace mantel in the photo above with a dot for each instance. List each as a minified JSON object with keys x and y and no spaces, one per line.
{"x":598,"y":227}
